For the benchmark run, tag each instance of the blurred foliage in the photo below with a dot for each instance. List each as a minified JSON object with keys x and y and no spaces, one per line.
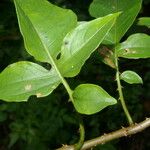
{"x":46,"y":123}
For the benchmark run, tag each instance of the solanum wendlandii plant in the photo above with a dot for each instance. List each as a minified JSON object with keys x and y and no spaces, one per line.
{"x":50,"y":31}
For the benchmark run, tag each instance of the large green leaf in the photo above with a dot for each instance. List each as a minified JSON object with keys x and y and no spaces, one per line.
{"x":81,"y":42}
{"x":131,"y":77}
{"x":21,"y":80}
{"x":129,"y":9}
{"x":78,"y":44}
{"x":43,"y":27}
{"x":90,"y":99}
{"x":144,"y":21}
{"x":136,"y":46}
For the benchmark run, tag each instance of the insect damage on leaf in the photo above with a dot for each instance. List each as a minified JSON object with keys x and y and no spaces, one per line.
{"x":128,"y":51}
{"x":107,"y":56}
{"x":28,"y":87}
{"x":39,"y":95}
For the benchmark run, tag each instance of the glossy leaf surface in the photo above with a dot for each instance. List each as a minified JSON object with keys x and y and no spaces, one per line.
{"x":136,"y":46}
{"x":43,"y":27}
{"x":81,"y":42}
{"x":90,"y":99}
{"x":131,"y":77}
{"x":21,"y":80}
{"x":129,"y":9}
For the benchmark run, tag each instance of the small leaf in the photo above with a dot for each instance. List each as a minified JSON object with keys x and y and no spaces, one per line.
{"x":136,"y":46}
{"x":144,"y":21}
{"x":21,"y":80}
{"x":129,"y":9}
{"x":90,"y":99}
{"x":81,"y":42}
{"x":131,"y":77}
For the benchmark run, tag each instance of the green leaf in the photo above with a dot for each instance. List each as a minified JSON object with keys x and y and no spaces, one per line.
{"x":136,"y":46}
{"x":144,"y":21}
{"x":90,"y":99}
{"x":129,"y":9}
{"x":43,"y":27}
{"x":81,"y":42}
{"x":21,"y":80}
{"x":131,"y":77}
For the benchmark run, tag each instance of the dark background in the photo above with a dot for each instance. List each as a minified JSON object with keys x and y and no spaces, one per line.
{"x":46,"y":123}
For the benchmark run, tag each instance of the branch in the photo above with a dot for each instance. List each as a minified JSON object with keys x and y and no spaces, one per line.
{"x":133,"y":129}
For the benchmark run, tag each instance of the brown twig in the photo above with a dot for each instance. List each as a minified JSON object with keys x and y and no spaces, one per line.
{"x":133,"y":129}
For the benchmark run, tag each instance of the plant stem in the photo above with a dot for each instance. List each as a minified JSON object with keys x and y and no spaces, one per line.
{"x":67,"y":87}
{"x":132,"y":129}
{"x":80,"y":143}
{"x":121,"y":97}
{"x":64,"y":82}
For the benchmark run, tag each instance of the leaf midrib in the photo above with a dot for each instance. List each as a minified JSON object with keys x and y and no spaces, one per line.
{"x":82,"y":46}
{"x":44,"y":46}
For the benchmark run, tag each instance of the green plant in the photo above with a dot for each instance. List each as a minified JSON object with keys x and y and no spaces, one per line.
{"x":53,"y":35}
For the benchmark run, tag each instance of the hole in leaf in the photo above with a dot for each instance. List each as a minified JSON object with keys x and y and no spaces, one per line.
{"x":66,"y":42}
{"x":28,"y":87}
{"x":58,"y":56}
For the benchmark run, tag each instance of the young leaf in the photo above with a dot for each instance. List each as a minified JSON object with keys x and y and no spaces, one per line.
{"x":129,"y":9}
{"x":131,"y":77}
{"x":81,"y":42}
{"x":43,"y":27}
{"x":136,"y":46}
{"x":144,"y":21}
{"x":21,"y":80}
{"x":90,"y":99}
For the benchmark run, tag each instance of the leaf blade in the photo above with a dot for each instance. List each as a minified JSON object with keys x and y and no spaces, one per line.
{"x":21,"y":80}
{"x":90,"y":99}
{"x":135,"y":47}
{"x":144,"y":21}
{"x":131,"y":77}
{"x":43,"y":26}
{"x":81,"y":42}
{"x":129,"y":11}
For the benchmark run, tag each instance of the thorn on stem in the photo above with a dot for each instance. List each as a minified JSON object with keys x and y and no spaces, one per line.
{"x":125,"y":133}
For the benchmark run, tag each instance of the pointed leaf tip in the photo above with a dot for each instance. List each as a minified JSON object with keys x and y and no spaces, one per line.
{"x":129,"y":9}
{"x":135,"y":47}
{"x":131,"y":77}
{"x":90,"y":99}
{"x":81,"y":42}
